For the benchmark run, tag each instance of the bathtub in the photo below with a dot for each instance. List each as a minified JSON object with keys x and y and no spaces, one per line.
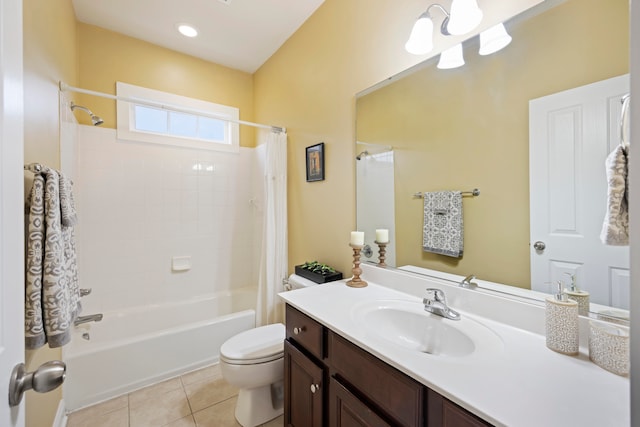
{"x":132,"y":348}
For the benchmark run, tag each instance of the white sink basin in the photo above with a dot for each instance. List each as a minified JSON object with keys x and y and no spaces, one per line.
{"x":405,"y":323}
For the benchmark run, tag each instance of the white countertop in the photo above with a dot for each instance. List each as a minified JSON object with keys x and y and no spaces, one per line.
{"x":522,"y":384}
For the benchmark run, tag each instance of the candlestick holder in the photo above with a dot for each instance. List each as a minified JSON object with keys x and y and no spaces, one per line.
{"x":382,"y":251}
{"x":356,"y":281}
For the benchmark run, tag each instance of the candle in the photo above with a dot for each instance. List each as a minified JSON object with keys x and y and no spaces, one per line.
{"x":357,"y":238}
{"x":382,"y":235}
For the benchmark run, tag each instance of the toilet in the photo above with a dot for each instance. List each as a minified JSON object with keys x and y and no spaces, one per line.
{"x":253,"y":361}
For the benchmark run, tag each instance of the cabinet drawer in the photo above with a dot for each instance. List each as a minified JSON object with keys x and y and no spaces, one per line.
{"x":397,"y":395}
{"x":305,"y":331}
{"x":444,"y":413}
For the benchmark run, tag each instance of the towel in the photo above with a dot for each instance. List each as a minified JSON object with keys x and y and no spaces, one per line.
{"x":443,"y":228}
{"x":615,"y":230}
{"x":52,"y":294}
{"x":67,"y":204}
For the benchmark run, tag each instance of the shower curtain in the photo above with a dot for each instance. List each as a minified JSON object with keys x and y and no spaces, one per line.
{"x":273,"y":259}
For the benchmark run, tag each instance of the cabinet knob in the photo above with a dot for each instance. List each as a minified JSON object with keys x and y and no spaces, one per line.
{"x":298,"y":331}
{"x":315,"y":387}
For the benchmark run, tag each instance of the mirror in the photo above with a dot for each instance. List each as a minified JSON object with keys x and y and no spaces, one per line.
{"x":468,"y":128}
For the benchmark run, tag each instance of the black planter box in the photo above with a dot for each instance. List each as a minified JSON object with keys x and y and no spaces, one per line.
{"x":317,"y":277}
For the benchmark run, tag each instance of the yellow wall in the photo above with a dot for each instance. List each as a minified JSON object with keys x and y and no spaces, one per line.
{"x":49,"y":56}
{"x":309,"y":86}
{"x":107,"y":57}
{"x":468,"y":128}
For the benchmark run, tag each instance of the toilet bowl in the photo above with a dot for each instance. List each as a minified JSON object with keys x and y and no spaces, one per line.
{"x":253,"y":361}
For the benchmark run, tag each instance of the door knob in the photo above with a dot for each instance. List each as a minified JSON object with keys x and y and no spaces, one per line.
{"x":539,"y":246}
{"x":315,"y":387}
{"x":46,"y":378}
{"x":298,"y":331}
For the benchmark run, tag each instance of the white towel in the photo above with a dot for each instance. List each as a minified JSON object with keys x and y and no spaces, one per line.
{"x":615,"y":230}
{"x":443,"y":228}
{"x":52,"y":295}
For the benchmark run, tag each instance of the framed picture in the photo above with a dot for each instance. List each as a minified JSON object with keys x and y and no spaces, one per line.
{"x":315,"y":162}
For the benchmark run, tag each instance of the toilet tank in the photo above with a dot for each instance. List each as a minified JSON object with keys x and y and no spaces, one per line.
{"x":297,"y":282}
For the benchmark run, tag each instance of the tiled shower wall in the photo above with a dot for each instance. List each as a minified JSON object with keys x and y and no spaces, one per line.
{"x":141,"y":204}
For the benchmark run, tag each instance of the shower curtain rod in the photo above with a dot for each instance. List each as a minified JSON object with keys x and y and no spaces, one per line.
{"x":65,"y":87}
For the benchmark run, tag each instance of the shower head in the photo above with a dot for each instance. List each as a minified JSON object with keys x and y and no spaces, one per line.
{"x":364,"y":153}
{"x":95,"y":120}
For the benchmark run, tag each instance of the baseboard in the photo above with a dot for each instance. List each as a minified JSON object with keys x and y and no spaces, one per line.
{"x":61,"y":416}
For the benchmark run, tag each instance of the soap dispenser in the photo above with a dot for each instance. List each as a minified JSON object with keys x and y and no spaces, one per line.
{"x":561,"y":322}
{"x":578,"y":295}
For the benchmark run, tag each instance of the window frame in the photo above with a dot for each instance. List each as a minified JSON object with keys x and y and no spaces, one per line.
{"x":155,"y":99}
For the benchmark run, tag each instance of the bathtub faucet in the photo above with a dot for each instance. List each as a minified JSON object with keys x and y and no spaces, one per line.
{"x":86,"y":319}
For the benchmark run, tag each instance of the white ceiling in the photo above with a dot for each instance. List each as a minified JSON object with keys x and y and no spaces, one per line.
{"x":240,"y":34}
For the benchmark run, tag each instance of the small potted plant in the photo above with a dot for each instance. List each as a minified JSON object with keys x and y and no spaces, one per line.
{"x":318,"y":272}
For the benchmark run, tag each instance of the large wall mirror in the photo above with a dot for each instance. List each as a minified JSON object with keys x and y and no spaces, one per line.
{"x":471,"y":127}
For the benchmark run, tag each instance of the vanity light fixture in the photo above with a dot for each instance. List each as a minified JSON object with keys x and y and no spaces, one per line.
{"x":187,"y":30}
{"x":493,"y":39}
{"x":451,"y":58}
{"x":465,"y":16}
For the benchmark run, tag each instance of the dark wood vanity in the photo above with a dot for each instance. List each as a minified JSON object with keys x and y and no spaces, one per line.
{"x":329,"y":381}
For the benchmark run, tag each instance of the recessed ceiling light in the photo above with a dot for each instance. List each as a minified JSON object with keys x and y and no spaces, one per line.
{"x":187,"y":30}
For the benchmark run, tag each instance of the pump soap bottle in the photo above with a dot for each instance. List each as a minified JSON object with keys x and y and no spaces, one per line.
{"x":578,"y":295}
{"x":561,"y":327}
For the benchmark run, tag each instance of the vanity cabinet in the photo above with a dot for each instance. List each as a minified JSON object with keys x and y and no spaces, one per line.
{"x":305,"y":373}
{"x":330,"y":381}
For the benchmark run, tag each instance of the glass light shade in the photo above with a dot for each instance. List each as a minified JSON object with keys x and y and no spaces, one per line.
{"x":451,"y":58}
{"x":465,"y":16}
{"x":493,"y":39}
{"x":421,"y":38}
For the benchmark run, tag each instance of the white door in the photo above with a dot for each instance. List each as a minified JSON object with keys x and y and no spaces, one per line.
{"x":11,"y":205}
{"x":571,"y":133}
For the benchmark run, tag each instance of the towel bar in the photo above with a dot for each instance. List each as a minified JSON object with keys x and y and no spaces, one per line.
{"x":473,"y":193}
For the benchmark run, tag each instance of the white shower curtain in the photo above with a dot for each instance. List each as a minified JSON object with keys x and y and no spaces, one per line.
{"x":273,"y":259}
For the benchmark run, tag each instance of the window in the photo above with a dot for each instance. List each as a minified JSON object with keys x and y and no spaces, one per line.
{"x":184,"y":122}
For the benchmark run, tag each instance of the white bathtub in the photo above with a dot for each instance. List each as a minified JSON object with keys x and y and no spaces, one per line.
{"x":132,"y":348}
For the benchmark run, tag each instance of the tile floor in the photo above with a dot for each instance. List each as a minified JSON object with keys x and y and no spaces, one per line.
{"x":197,"y":399}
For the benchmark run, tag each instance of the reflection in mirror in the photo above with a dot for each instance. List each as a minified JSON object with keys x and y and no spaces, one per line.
{"x":470,"y":128}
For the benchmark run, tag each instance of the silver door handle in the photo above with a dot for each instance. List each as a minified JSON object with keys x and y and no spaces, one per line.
{"x":46,"y":378}
{"x":539,"y":246}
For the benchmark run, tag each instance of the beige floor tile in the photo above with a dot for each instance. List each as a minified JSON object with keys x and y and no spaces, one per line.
{"x":277,"y":422}
{"x":205,"y":393}
{"x":209,"y":373}
{"x":160,"y":410}
{"x":182,"y":422}
{"x":117,"y":418}
{"x":95,"y":411}
{"x":220,"y":415}
{"x":136,"y":398}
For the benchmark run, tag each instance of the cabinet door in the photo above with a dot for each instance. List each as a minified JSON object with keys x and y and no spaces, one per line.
{"x":346,"y":410}
{"x":303,"y":389}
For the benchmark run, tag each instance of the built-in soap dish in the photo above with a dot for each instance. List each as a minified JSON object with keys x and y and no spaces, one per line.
{"x":609,"y":347}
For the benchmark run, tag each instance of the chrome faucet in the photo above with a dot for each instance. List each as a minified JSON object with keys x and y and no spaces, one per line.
{"x":86,"y":319}
{"x":467,"y":282}
{"x":436,"y":302}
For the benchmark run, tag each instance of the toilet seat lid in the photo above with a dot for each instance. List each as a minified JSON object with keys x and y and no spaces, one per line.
{"x":262,"y":343}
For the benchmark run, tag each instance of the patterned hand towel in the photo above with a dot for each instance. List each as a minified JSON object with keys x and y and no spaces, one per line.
{"x":67,"y":204}
{"x":615,"y":230}
{"x":52,"y":293}
{"x":443,"y":228}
